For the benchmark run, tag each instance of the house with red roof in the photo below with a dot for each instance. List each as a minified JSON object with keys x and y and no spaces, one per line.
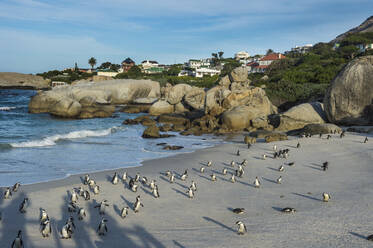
{"x":262,"y":64}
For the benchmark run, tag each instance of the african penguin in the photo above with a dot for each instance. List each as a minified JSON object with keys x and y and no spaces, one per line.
{"x":73,"y":197}
{"x":81,"y":214}
{"x":279,"y":180}
{"x":102,"y":228}
{"x":257,"y":183}
{"x":213,"y":177}
{"x":326,"y":197}
{"x":18,"y":242}
{"x":115,"y":179}
{"x":137,"y":205}
{"x":101,"y":207}
{"x":193,"y":186}
{"x":288,"y":210}
{"x":209,"y":163}
{"x":96,"y":189}
{"x":233,"y":179}
{"x":155,"y":192}
{"x":281,"y":168}
{"x":43,"y":215}
{"x":124,"y":177}
{"x":124,"y":212}
{"x":190,"y":193}
{"x":16,"y":187}
{"x":7,"y":193}
{"x":46,"y":228}
{"x":241,"y":228}
{"x":224,"y":172}
{"x":66,"y":232}
{"x":202,"y":169}
{"x":23,"y":206}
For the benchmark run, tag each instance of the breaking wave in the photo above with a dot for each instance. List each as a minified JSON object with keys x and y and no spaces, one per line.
{"x":7,"y":108}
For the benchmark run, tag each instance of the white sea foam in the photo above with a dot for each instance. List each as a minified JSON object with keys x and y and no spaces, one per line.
{"x":7,"y":108}
{"x":51,"y":140}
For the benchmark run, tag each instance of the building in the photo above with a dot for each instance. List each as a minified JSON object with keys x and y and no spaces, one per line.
{"x":198,"y":63}
{"x":58,"y":83}
{"x":363,"y":47}
{"x":262,"y":64}
{"x":184,"y":73}
{"x":200,"y":72}
{"x":242,"y":56}
{"x":302,"y":49}
{"x":127,"y":64}
{"x":146,"y":64}
{"x":107,"y":73}
{"x":154,"y":70}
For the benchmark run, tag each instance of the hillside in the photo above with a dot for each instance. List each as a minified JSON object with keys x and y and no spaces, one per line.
{"x":366,"y":26}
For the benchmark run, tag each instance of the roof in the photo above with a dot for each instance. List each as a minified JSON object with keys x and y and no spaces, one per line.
{"x":128,"y":61}
{"x":149,"y":61}
{"x":273,"y":56}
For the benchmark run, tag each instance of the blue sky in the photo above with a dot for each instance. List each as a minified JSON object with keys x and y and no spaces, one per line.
{"x":41,"y":35}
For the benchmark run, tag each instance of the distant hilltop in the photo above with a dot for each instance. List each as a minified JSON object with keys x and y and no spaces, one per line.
{"x":366,"y":26}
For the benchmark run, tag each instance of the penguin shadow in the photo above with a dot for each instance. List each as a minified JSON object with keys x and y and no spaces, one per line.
{"x":218,"y":223}
{"x":129,"y":204}
{"x":204,"y":177}
{"x":181,"y":185}
{"x":177,"y":244}
{"x":269,"y":180}
{"x":108,"y":178}
{"x":180,"y":192}
{"x":117,"y":210}
{"x":307,"y":196}
{"x":274,"y":169}
{"x":259,"y":158}
{"x":245,"y":183}
{"x":148,"y":192}
{"x":164,"y":179}
{"x":277,"y":209}
{"x":196,"y":170}
{"x":82,"y":180}
{"x":223,"y":179}
{"x":358,"y":235}
{"x":203,"y":163}
{"x":217,"y":172}
{"x":314,"y":167}
{"x":290,"y":146}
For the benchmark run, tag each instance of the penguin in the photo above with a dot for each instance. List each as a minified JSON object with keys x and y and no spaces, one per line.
{"x":264,"y":156}
{"x":320,"y":135}
{"x":342,"y":134}
{"x":244,"y":162}
{"x":366,"y":140}
{"x":152,"y":184}
{"x":291,"y":163}
{"x":144,"y":180}
{"x":46,"y":228}
{"x":238,"y":210}
{"x":137,"y":177}
{"x":257,"y":183}
{"x":23,"y":206}
{"x":325,"y":166}
{"x":241,"y":228}
{"x":172,"y":178}
{"x":71,"y":207}
{"x":274,"y":148}
{"x":213,"y":177}
{"x":298,"y":145}
{"x":70,"y":222}
{"x":86,"y":195}
{"x":134,"y":187}
{"x":224,"y":172}
{"x":286,"y":155}
{"x":240,"y":171}
{"x":326,"y":197}
{"x":73,"y":197}
{"x":18,"y":242}
{"x":91,"y":183}
{"x":190,"y":193}
{"x":102,"y":228}
{"x":232,"y":163}
{"x":238,"y":153}
{"x":184,"y":176}
{"x":96,"y":189}
{"x":168,"y":173}
{"x":279,"y":180}
{"x":43,"y":215}
{"x":7,"y":193}
{"x":155,"y":192}
{"x":137,"y":205}
{"x":328,"y":137}
{"x":124,"y":212}
{"x":193,"y":186}
{"x":275,"y":155}
{"x":248,"y":146}
{"x":233,"y":179}
{"x":131,"y":183}
{"x":81,"y":214}
{"x":115,"y":179}
{"x":209,"y":163}
{"x":66,"y":232}
{"x":281,"y":168}
{"x":288,"y":210}
{"x":370,"y":237}
{"x":101,"y":207}
{"x":80,"y":191}
{"x":202,"y":169}
{"x":124,"y":176}
{"x":86,"y":179}
{"x":16,"y":187}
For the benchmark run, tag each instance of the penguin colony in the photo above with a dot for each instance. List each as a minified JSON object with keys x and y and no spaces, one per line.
{"x":90,"y":186}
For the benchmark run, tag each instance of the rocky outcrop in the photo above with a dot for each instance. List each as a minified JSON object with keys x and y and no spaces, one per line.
{"x":349,"y":99}
{"x":315,"y":129}
{"x":13,"y":80}
{"x":249,"y":140}
{"x":177,"y":92}
{"x":89,"y":100}
{"x":161,"y":107}
{"x":238,"y":118}
{"x":195,"y":98}
{"x":152,"y":132}
{"x":275,"y":136}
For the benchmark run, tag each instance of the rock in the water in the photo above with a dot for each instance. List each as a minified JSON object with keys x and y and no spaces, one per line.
{"x":275,"y":136}
{"x":177,"y":119}
{"x":66,"y":107}
{"x":180,"y":108}
{"x":165,"y":128}
{"x":152,"y":132}
{"x":325,"y":128}
{"x":13,"y":80}
{"x":349,"y":99}
{"x":169,"y":147}
{"x":161,"y":107}
{"x":133,"y":109}
{"x":249,"y":140}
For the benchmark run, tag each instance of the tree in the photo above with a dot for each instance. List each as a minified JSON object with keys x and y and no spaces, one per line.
{"x":134,"y":72}
{"x":92,"y":61}
{"x":269,"y":51}
{"x":174,"y":70}
{"x":220,"y":54}
{"x":105,"y":65}
{"x":114,"y":67}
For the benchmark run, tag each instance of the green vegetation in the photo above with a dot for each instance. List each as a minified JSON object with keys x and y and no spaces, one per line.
{"x":109,"y":66}
{"x":67,"y":76}
{"x":92,"y":61}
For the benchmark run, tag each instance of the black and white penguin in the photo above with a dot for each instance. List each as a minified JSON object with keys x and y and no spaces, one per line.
{"x":184,"y":175}
{"x":320,"y":135}
{"x":193,"y":186}
{"x":279,"y":180}
{"x":144,"y":180}
{"x":86,"y":195}
{"x":124,"y":212}
{"x":124,"y":176}
{"x":73,"y":196}
{"x":238,"y":153}
{"x":137,"y":177}
{"x":91,"y":183}
{"x":248,"y":146}
{"x":70,"y":222}
{"x":209,"y":163}
{"x":274,"y":148}
{"x":257,"y":182}
{"x":115,"y":179}
{"x":240,"y":171}
{"x":137,"y":205}
{"x":86,"y":179}
{"x":66,"y":232}
{"x":152,"y":184}
{"x":172,"y":178}
{"x":81,"y":214}
{"x":101,"y":207}
{"x":325,"y":166}
{"x":202,"y":169}
{"x":16,"y":187}
{"x":281,"y":168}
{"x":168,"y":173}
{"x":298,"y":145}
{"x":291,"y":163}
{"x":326,"y":197}
{"x":23,"y":206}
{"x":370,"y":237}
{"x":238,"y":210}
{"x":46,"y":228}
{"x":155,"y":192}
{"x":7,"y":193}
{"x":18,"y":242}
{"x":43,"y":215}
{"x":96,"y":189}
{"x":241,"y":228}
{"x":134,"y":187}
{"x":213,"y":177}
{"x":233,"y":163}
{"x":190,"y":193}
{"x":233,"y":179}
{"x":80,"y":191}
{"x":328,"y":136}
{"x":366,"y":140}
{"x":102,"y":228}
{"x":244,"y":162}
{"x":288,"y":210}
{"x":264,"y":156}
{"x":71,"y":207}
{"x":342,"y":134}
{"x":224,"y":171}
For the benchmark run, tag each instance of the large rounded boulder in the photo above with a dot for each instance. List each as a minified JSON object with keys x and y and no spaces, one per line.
{"x":238,"y":118}
{"x":161,"y":107}
{"x":349,"y":99}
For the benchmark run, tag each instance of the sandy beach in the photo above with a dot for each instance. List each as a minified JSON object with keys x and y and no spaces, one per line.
{"x":174,"y":220}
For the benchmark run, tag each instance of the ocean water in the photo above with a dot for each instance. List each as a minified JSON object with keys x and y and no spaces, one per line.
{"x":39,"y":147}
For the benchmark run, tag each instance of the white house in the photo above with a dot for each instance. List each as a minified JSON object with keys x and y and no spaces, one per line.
{"x":200,"y":72}
{"x":198,"y":63}
{"x":263,"y":63}
{"x":302,"y":49}
{"x":147,"y":64}
{"x":364,"y":47}
{"x":107,"y":73}
{"x":242,"y":55}
{"x":184,"y":73}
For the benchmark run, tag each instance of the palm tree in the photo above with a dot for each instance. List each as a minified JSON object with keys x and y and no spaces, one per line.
{"x":92,"y":61}
{"x":220,"y":54}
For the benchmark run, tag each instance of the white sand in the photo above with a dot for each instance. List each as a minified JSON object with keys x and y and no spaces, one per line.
{"x":207,"y":221}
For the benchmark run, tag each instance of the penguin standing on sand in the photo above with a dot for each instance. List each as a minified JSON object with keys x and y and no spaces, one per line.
{"x":190,"y":193}
{"x":115,"y":179}
{"x":281,"y":168}
{"x":71,"y":207}
{"x":238,"y":153}
{"x":298,"y":145}
{"x":102,"y":228}
{"x":168,"y":173}
{"x":244,"y":162}
{"x":184,"y":176}
{"x":264,"y":156}
{"x":257,"y":183}
{"x":144,"y":181}
{"x":155,"y":192}
{"x":248,"y":146}
{"x":46,"y":228}
{"x":209,"y":163}
{"x":241,"y":228}
{"x":23,"y":206}
{"x":18,"y":242}
{"x":70,"y":222}
{"x":172,"y":178}
{"x":7,"y":193}
{"x":224,"y":172}
{"x":342,"y":134}
{"x":86,"y":179}
{"x":325,"y":166}
{"x":81,"y":214}
{"x":91,"y":183}
{"x":43,"y":215}
{"x":240,"y":171}
{"x":202,"y":169}
{"x":103,"y":204}
{"x":137,"y":177}
{"x":137,"y":205}
{"x":134,"y":186}
{"x":96,"y":189}
{"x":124,"y":176}
{"x":16,"y":187}
{"x":86,"y":195}
{"x":274,"y":148}
{"x":326,"y":197}
{"x":66,"y":232}
{"x":124,"y":212}
{"x":288,"y":210}
{"x":80,"y":191}
{"x":279,"y":180}
{"x":213,"y":177}
{"x":232,"y":163}
{"x":366,"y":140}
{"x":152,"y":184}
{"x":193,"y":186}
{"x":73,"y":197}
{"x":233,"y":179}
